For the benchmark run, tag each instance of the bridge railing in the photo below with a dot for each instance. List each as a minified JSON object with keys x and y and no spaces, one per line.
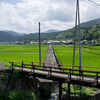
{"x":52,"y":69}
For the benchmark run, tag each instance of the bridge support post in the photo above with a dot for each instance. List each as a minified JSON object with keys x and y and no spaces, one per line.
{"x":69,"y":89}
{"x":22,"y":65}
{"x":12,"y":66}
{"x":60,"y":90}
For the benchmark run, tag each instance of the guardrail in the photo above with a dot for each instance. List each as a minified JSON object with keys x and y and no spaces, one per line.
{"x":51,"y":69}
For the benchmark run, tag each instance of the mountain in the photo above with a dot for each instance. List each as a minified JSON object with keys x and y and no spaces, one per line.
{"x":89,"y":30}
{"x":14,"y":33}
{"x":90,"y":23}
{"x":4,"y":36}
{"x":51,"y":31}
{"x":35,"y":37}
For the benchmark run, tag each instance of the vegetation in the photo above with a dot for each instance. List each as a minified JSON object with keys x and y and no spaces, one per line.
{"x":4,"y":36}
{"x":90,"y":55}
{"x":75,"y":89}
{"x":17,"y":53}
{"x":89,"y":31}
{"x":17,"y":95}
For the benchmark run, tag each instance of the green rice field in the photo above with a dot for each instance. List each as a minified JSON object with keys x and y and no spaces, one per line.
{"x":90,"y":55}
{"x":18,"y":53}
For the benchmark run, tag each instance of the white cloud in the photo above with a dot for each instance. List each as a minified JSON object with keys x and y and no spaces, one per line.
{"x":24,"y":16}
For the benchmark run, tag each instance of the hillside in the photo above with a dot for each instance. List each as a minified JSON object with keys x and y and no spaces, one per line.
{"x":4,"y":36}
{"x":89,"y":33}
{"x":14,"y":33}
{"x":91,"y":23}
{"x":51,"y":31}
{"x":89,"y":30}
{"x":34,"y":37}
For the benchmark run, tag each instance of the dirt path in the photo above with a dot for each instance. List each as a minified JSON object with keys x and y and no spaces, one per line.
{"x":49,"y":56}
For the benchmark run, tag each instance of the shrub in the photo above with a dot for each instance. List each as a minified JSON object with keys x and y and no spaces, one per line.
{"x":17,"y":95}
{"x":20,"y":95}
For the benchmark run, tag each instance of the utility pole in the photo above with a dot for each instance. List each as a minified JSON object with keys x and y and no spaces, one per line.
{"x":79,"y":35}
{"x":39,"y":45}
{"x":77,"y":26}
{"x":75,"y":38}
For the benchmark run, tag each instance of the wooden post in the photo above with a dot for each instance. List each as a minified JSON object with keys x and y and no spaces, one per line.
{"x":43,"y":66}
{"x":12,"y":66}
{"x":32,"y":66}
{"x":70,"y":74}
{"x":82,"y":76}
{"x":60,"y":90}
{"x":50,"y":71}
{"x":22,"y":65}
{"x":97,"y":77}
{"x":69,"y":89}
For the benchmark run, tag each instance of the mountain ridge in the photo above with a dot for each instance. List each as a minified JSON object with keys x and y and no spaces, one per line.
{"x":52,"y":34}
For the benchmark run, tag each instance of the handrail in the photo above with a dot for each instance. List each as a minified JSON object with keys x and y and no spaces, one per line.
{"x":62,"y":64}
{"x":53,"y":67}
{"x":49,"y":69}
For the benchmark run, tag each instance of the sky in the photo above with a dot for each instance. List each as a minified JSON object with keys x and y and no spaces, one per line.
{"x":23,"y":15}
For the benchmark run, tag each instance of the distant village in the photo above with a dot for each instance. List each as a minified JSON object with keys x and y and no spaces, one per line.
{"x":53,"y":42}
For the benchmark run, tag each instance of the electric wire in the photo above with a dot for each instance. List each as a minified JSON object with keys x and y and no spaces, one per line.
{"x":93,"y":4}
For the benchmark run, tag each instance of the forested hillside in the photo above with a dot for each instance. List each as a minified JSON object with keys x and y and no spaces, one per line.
{"x":4,"y":36}
{"x":89,"y":33}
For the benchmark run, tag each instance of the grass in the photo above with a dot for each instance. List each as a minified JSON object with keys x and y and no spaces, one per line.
{"x":90,"y":55}
{"x":17,"y":53}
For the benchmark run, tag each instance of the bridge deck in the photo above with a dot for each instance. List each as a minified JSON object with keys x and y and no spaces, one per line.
{"x":63,"y":77}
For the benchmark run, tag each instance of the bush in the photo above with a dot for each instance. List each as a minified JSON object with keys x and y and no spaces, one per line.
{"x":20,"y":95}
{"x":17,"y":95}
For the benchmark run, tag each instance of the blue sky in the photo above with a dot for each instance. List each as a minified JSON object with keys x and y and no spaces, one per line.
{"x":24,"y":15}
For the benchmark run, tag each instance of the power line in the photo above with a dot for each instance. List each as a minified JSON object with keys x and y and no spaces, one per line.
{"x":94,"y":3}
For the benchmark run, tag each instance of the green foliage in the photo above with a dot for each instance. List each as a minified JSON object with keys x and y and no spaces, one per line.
{"x":17,"y":95}
{"x":2,"y":77}
{"x":20,"y":95}
{"x":87,"y":33}
{"x":16,"y":74}
{"x":75,"y":89}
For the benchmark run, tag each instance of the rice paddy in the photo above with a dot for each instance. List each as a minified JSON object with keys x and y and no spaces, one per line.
{"x":90,"y":55}
{"x":18,"y":53}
